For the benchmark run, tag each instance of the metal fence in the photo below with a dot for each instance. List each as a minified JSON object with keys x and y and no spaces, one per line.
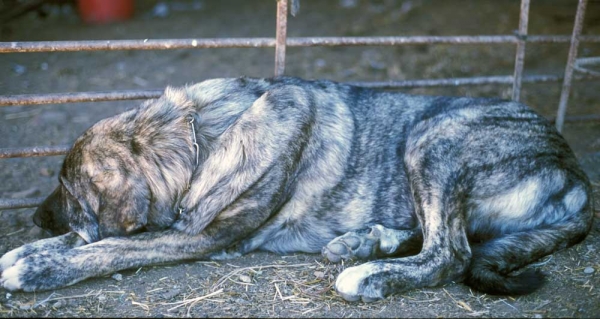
{"x":281,"y":41}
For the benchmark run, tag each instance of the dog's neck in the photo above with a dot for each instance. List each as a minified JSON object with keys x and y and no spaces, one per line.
{"x":161,"y":129}
{"x":186,"y":155}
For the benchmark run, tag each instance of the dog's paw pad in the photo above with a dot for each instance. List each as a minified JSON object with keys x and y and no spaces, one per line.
{"x":336,"y":251}
{"x":353,"y":244}
{"x":352,"y":284}
{"x":10,"y":258}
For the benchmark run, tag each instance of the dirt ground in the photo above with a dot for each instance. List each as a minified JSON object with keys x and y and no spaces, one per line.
{"x":263,"y":284}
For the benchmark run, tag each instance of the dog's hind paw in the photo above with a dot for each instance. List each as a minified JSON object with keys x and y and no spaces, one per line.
{"x":357,"y":283}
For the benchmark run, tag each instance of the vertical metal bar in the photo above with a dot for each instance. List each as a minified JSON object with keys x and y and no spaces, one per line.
{"x":566,"y":88}
{"x":520,"y":56}
{"x":281,"y":36}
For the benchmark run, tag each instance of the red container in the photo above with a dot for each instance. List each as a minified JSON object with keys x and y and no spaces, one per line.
{"x":105,"y":11}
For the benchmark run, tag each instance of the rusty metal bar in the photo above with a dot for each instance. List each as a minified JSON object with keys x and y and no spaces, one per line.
{"x":520,"y":55}
{"x":54,"y":98}
{"x":391,"y":41}
{"x":579,"y":118}
{"x":483,"y":80}
{"x":146,"y":44}
{"x":34,"y":151}
{"x":6,"y":203}
{"x":281,"y":36}
{"x":581,"y":65}
{"x":204,"y":43}
{"x":566,"y":88}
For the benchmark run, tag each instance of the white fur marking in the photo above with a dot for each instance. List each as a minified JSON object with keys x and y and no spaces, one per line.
{"x":10,"y":277}
{"x":10,"y":258}
{"x":388,"y":242}
{"x":575,"y":199}
{"x":515,"y":203}
{"x":348,"y":282}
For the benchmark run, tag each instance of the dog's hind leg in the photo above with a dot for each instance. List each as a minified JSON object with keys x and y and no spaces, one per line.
{"x":376,"y":241}
{"x":494,"y":259}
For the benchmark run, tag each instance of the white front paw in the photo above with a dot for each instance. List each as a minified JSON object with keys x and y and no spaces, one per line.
{"x":11,"y":257}
{"x":353,"y":284}
{"x":10,"y":277}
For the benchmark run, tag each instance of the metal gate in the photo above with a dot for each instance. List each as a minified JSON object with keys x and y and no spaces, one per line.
{"x":281,"y":41}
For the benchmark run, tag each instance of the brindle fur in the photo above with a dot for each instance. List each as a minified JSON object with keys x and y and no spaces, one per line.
{"x":435,"y":189}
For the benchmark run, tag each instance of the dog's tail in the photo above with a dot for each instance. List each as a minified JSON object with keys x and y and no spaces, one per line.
{"x":492,"y":261}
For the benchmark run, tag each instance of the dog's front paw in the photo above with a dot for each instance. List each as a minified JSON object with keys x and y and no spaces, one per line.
{"x":42,"y":271}
{"x":66,"y":241}
{"x":10,"y":277}
{"x":359,"y":283}
{"x":11,"y":257}
{"x":361,"y":244}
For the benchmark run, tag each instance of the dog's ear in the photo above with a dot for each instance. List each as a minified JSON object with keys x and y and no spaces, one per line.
{"x":124,"y":203}
{"x":84,"y":223}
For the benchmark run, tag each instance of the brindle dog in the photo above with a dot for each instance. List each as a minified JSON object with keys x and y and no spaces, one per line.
{"x":435,"y":189}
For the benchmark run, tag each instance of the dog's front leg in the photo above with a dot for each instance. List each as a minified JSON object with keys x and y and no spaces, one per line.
{"x":47,"y":270}
{"x":444,"y":258}
{"x":59,"y":243}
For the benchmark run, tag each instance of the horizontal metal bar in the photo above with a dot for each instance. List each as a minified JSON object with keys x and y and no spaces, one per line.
{"x":169,"y":44}
{"x":53,"y":98}
{"x":484,"y":39}
{"x":581,"y":65}
{"x":20,"y":202}
{"x":501,"y":79}
{"x":579,"y":118}
{"x":34,"y":151}
{"x":146,"y":44}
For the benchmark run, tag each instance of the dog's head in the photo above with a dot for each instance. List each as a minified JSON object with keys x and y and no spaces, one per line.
{"x":101,"y":191}
{"x":109,"y":179}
